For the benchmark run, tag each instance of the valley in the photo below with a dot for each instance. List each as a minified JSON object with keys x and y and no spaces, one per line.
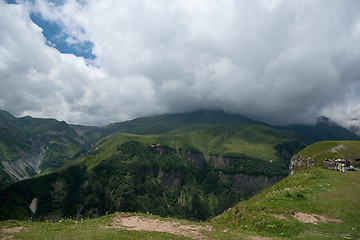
{"x":191,"y":166}
{"x":189,"y":178}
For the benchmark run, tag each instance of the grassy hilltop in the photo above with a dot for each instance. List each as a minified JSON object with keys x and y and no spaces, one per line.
{"x":332,"y":150}
{"x":313,"y":203}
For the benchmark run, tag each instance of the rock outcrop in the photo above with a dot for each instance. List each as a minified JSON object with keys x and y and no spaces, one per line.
{"x":298,"y":161}
{"x":195,"y":160}
{"x":251,"y":183}
{"x":219,"y":161}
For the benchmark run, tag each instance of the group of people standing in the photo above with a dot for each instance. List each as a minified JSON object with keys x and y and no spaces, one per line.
{"x":339,"y":164}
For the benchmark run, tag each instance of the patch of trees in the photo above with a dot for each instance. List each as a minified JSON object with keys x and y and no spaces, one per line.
{"x":135,"y":179}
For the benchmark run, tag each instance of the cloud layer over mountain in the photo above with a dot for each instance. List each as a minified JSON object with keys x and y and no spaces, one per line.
{"x":277,"y":61}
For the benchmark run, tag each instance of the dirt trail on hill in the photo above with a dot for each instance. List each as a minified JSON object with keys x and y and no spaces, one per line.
{"x":138,"y":223}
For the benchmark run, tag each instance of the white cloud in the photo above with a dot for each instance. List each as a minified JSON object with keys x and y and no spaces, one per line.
{"x":277,"y":61}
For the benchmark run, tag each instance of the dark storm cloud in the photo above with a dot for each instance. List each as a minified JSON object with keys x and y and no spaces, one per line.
{"x":277,"y":61}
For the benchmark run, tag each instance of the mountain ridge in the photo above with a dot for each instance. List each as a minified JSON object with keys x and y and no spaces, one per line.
{"x":33,"y":134}
{"x":190,"y":174}
{"x":31,"y":145}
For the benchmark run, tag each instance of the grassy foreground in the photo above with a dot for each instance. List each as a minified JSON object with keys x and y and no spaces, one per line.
{"x":76,"y":229}
{"x":103,"y":228}
{"x":312,"y":204}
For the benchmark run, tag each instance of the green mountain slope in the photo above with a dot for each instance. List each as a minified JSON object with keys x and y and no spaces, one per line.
{"x":59,"y":142}
{"x":7,"y":116}
{"x":333,"y":150}
{"x":191,"y":175}
{"x":255,"y":140}
{"x":85,"y":131}
{"x":325,"y":129}
{"x":12,"y":143}
{"x":170,"y":122}
{"x":11,"y":140}
{"x":313,"y":203}
{"x":30,"y":145}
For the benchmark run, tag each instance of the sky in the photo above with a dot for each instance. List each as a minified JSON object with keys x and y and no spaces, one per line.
{"x":95,"y":62}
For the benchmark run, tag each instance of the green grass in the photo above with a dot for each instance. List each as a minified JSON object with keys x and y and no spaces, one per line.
{"x":255,"y":141}
{"x":8,"y":153}
{"x":313,"y":191}
{"x":100,"y":228}
{"x":190,"y":128}
{"x":79,"y":229}
{"x":58,"y":154}
{"x":322,"y":150}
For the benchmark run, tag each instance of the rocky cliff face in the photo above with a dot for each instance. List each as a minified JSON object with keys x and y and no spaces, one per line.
{"x":159,"y":149}
{"x":219,"y":161}
{"x":248,"y":183}
{"x":20,"y":169}
{"x":195,"y":160}
{"x":251,"y":184}
{"x":230,"y":169}
{"x":26,"y":166}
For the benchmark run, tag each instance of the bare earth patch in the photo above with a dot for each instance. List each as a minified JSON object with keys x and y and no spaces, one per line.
{"x":9,"y":231}
{"x":338,"y":148}
{"x":313,"y":218}
{"x":260,"y":238}
{"x":138,"y":223}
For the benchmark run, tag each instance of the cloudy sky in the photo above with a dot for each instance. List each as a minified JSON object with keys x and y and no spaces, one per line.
{"x":95,"y":62}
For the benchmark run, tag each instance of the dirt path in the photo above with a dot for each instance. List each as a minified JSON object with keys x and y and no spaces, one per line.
{"x":138,"y":223}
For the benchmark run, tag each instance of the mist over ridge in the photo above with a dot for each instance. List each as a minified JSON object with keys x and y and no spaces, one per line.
{"x":94,"y":63}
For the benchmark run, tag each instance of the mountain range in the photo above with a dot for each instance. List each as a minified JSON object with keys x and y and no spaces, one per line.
{"x":29,"y":146}
{"x":192,"y":165}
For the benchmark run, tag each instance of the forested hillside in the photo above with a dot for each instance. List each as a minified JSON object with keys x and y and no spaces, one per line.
{"x":193,"y":165}
{"x":190,"y":174}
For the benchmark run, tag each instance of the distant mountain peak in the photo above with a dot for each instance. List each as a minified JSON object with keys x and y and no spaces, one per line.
{"x":204,"y":116}
{"x":6,"y":115}
{"x":322,"y":119}
{"x":326,"y":121}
